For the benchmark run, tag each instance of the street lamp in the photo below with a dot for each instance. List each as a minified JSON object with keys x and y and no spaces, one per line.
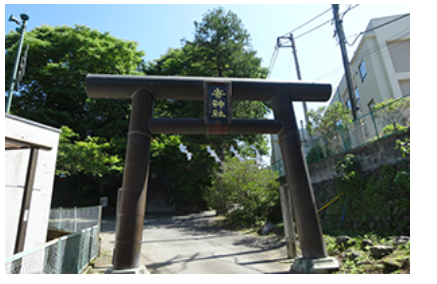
{"x":21,"y":30}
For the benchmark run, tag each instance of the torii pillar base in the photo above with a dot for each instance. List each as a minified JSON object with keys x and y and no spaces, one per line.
{"x":315,"y":266}
{"x":140,"y":270}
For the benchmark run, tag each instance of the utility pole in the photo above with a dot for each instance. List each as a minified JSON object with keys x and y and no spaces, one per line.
{"x":342,"y":40}
{"x":296,"y":62}
{"x":24,"y":18}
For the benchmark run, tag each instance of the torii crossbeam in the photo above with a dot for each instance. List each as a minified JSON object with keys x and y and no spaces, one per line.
{"x":217,"y":94}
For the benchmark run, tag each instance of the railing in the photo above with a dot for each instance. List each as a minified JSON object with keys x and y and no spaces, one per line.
{"x":68,"y":254}
{"x":74,"y":219}
{"x":378,"y":124}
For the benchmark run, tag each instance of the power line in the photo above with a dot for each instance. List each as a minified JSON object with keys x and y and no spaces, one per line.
{"x":313,"y":29}
{"x":377,"y":48}
{"x":306,"y":23}
{"x":377,"y":27}
{"x":273,"y":61}
{"x":348,"y":9}
{"x":275,"y":51}
{"x":324,"y":23}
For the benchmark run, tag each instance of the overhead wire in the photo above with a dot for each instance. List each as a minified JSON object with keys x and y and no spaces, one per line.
{"x":324,"y":23}
{"x":377,"y":27}
{"x":272,"y":61}
{"x":276,"y":48}
{"x":307,"y":22}
{"x":372,"y":52}
{"x":377,"y":48}
{"x":382,"y":47}
{"x":275,"y":51}
{"x":313,"y":29}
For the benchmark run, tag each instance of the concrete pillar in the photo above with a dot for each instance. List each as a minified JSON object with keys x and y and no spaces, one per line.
{"x":131,"y":203}
{"x":307,"y":220}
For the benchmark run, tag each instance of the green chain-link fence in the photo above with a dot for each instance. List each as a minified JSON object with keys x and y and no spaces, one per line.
{"x":68,"y":254}
{"x":388,"y":120}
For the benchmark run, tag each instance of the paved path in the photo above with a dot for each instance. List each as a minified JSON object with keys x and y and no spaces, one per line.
{"x":191,"y":244}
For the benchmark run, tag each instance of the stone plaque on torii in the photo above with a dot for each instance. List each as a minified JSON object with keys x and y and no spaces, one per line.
{"x":217,"y":94}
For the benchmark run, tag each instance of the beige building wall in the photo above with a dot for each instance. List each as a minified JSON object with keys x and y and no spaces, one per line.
{"x":385,"y":53}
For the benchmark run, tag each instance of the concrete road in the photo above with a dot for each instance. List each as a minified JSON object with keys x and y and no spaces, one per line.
{"x":191,"y":244}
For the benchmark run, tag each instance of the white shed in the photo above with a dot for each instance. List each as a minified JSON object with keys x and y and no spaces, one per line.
{"x":30,"y":162}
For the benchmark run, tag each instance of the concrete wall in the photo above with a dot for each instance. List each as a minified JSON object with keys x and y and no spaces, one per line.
{"x":371,"y":157}
{"x":16,"y":162}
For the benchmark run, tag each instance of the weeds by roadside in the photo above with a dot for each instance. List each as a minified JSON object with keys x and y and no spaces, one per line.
{"x":370,"y":254}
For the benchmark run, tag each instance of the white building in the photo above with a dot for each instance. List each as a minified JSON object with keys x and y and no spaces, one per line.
{"x":380,"y":70}
{"x":28,"y":177}
{"x":380,"y":66}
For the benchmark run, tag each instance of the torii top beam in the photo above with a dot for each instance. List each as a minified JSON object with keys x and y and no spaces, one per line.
{"x":191,"y":88}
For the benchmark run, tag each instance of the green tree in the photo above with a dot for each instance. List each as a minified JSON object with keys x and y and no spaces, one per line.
{"x":322,"y":123}
{"x":53,"y":92}
{"x":53,"y":89}
{"x":220,"y":48}
{"x":393,"y":113}
{"x":248,"y":192}
{"x":326,"y":119}
{"x":90,"y":157}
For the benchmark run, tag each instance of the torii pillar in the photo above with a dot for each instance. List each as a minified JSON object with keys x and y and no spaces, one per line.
{"x":143,"y":90}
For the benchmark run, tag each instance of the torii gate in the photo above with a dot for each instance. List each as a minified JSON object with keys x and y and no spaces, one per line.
{"x":217,"y":94}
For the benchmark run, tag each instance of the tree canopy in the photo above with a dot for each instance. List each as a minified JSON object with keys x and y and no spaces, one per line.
{"x":53,"y":92}
{"x":53,"y":89}
{"x":326,"y":119}
{"x":93,"y":138}
{"x":220,"y":48}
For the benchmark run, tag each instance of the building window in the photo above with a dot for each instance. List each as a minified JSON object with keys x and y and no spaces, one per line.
{"x":363,"y":71}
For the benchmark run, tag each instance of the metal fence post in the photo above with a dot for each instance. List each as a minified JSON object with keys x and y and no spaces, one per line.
{"x":98,"y":230}
{"x":374,"y":124}
{"x":60,"y":218}
{"x":75,"y":219}
{"x":85,"y":249}
{"x":343,"y":139}
{"x":58,"y":257}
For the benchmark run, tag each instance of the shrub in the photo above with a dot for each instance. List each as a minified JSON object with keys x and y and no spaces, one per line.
{"x":391,"y":128}
{"x":370,"y":204}
{"x":246,"y":193}
{"x":315,"y":154}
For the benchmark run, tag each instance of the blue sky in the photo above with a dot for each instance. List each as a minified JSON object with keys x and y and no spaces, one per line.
{"x":159,"y":27}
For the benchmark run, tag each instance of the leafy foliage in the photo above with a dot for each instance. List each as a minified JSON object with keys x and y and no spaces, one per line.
{"x":391,"y":128}
{"x":324,"y":120}
{"x":247,"y":193}
{"x":392,"y":113}
{"x":88,"y":157}
{"x":358,"y":259}
{"x":369,"y":204}
{"x":403,"y":146}
{"x":220,"y":48}
{"x":53,"y":90}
